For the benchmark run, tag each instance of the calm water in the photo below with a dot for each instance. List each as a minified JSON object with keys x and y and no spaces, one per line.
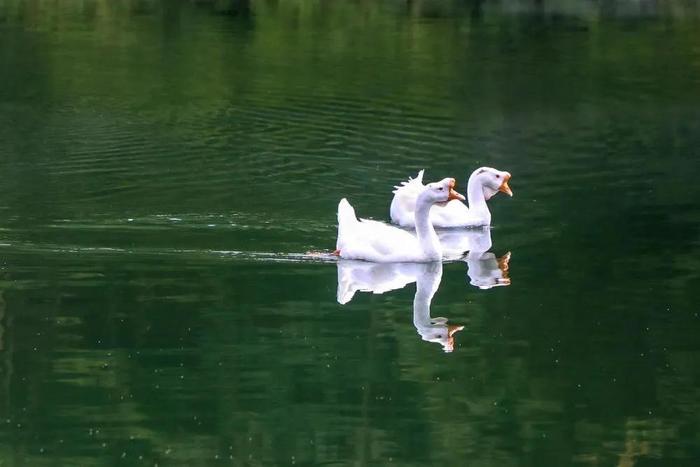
{"x":166,"y":166}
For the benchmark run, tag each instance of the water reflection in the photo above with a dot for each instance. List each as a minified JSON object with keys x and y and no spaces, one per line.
{"x":456,"y":243}
{"x":432,"y":329}
{"x":483,"y":269}
{"x":379,"y":278}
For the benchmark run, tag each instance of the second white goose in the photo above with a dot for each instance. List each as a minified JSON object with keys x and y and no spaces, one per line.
{"x":483,"y":183}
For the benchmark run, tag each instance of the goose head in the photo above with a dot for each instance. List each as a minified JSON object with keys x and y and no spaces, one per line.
{"x":439,"y":192}
{"x":441,"y":333}
{"x":491,"y":181}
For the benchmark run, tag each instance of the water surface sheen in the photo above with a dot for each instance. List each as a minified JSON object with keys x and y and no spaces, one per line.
{"x":167,"y":165}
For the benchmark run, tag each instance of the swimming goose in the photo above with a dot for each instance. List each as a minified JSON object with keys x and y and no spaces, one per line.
{"x":378,"y":242}
{"x":483,"y":183}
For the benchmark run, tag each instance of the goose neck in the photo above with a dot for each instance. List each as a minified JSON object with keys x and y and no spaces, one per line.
{"x":476,"y":198}
{"x":427,"y":238}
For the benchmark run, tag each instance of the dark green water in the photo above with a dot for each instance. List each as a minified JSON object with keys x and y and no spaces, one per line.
{"x":166,"y":166}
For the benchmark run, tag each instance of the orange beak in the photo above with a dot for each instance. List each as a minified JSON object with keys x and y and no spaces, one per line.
{"x":504,"y":188}
{"x":504,"y":267}
{"x":503,"y":263}
{"x":453,"y":194}
{"x":451,"y":331}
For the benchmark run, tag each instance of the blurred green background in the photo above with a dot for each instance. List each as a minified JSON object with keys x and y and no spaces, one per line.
{"x":166,"y":165}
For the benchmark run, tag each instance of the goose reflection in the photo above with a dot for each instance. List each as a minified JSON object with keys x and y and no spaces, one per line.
{"x":484,"y":269}
{"x":432,"y":329}
{"x":379,"y":278}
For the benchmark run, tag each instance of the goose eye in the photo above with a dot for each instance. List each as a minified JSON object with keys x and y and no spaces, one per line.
{"x":498,"y":176}
{"x":441,"y":188}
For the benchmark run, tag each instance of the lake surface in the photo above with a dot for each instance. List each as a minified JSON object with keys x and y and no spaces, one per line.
{"x":167,"y":165}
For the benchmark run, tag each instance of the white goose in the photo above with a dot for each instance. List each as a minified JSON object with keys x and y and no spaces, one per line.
{"x":484,"y":182}
{"x":378,"y":242}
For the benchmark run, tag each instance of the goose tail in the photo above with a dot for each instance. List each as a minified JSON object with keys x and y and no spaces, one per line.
{"x":346,"y":220}
{"x":346,"y":213}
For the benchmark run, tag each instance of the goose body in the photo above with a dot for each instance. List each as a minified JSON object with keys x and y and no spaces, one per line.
{"x":378,"y":242}
{"x":483,"y":183}
{"x":458,"y":243}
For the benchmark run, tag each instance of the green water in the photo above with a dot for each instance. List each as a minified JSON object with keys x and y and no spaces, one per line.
{"x":166,"y":166}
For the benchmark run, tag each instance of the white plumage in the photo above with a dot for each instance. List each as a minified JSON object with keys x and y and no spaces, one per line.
{"x":378,"y":242}
{"x":483,"y":184}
